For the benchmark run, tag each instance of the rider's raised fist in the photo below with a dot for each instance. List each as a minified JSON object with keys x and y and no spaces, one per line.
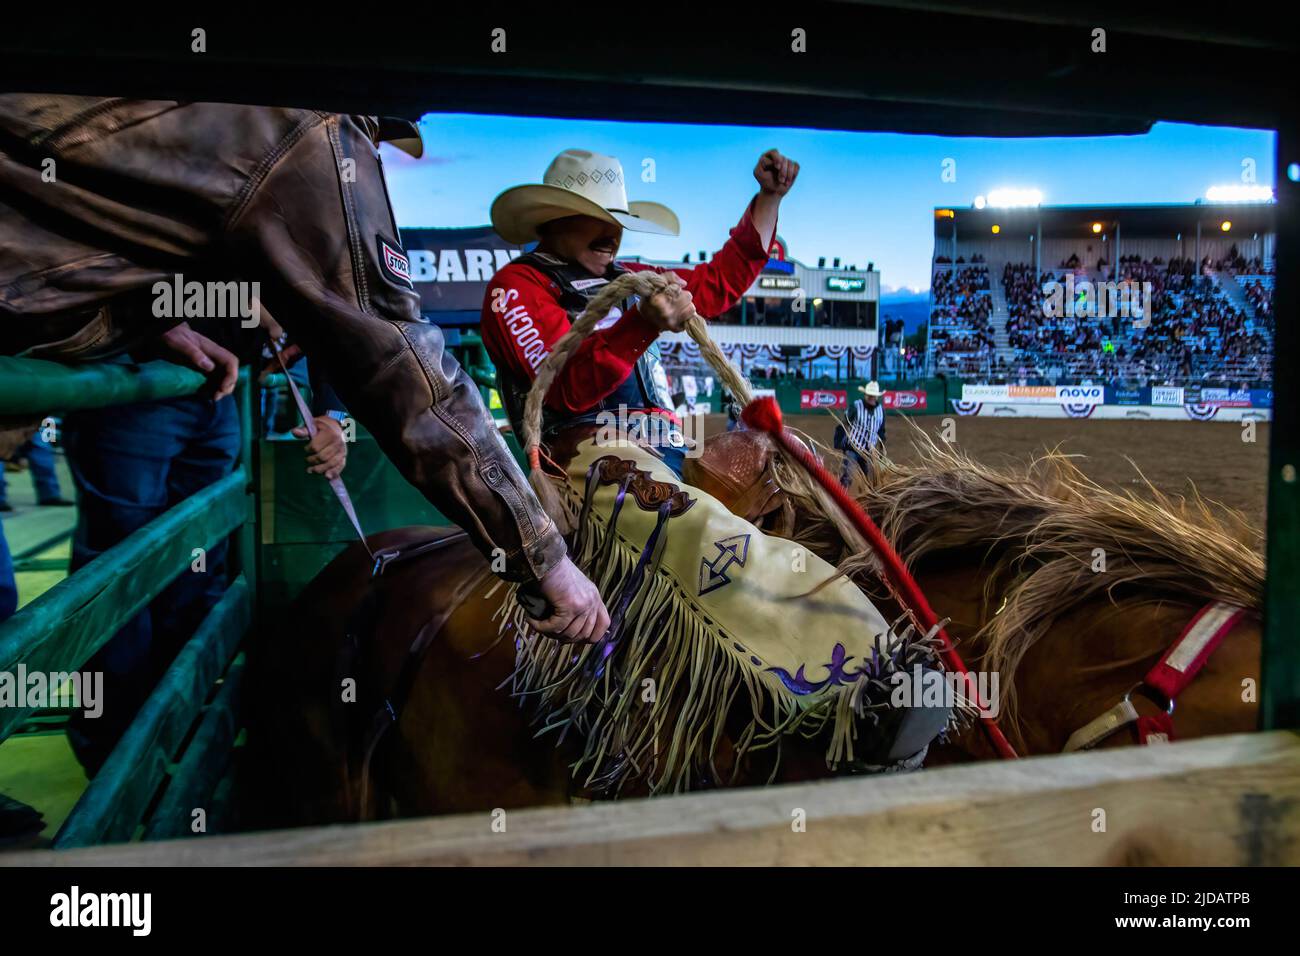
{"x":775,"y":173}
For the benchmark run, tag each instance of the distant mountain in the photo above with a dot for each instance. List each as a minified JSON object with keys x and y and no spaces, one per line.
{"x":907,"y":304}
{"x":904,"y":295}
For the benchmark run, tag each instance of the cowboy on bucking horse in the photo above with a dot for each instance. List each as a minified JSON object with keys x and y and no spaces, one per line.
{"x":669,"y":556}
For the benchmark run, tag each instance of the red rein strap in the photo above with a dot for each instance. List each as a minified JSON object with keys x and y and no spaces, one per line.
{"x":764,"y":414}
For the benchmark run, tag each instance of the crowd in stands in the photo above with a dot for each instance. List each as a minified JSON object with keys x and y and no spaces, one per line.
{"x":1261,"y":297}
{"x":951,"y":286}
{"x":1027,"y":327}
{"x":1196,"y":334}
{"x":1075,"y":263}
{"x":959,"y":323}
{"x":1237,"y":264}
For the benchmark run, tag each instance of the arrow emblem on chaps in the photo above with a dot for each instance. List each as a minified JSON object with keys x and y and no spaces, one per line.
{"x":733,"y":550}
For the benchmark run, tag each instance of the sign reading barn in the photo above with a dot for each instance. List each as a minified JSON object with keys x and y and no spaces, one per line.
{"x":450,"y":268}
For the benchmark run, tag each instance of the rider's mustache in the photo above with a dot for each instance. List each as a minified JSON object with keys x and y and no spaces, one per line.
{"x":604,"y":245}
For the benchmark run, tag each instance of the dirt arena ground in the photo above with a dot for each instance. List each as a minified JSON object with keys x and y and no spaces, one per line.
{"x":1210,"y":455}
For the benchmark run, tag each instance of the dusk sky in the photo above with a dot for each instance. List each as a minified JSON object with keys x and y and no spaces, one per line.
{"x":864,"y":197}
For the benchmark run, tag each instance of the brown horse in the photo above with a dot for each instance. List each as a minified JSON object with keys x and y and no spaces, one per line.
{"x":1068,"y":591}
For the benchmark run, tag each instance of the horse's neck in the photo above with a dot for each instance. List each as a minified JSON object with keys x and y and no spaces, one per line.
{"x":1084,"y":664}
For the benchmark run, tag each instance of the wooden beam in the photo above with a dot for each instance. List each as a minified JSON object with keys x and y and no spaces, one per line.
{"x":1221,"y":801}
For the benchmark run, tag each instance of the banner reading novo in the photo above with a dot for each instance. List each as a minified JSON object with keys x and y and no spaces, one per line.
{"x":1035,"y":394}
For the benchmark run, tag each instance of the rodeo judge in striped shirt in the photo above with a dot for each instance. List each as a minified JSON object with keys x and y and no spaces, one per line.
{"x":864,"y":431}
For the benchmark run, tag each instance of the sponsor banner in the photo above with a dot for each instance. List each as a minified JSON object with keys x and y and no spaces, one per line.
{"x":450,"y":268}
{"x":1120,"y":395}
{"x":1183,"y":413}
{"x":1031,"y":393}
{"x":822,"y":398}
{"x":1225,"y":397}
{"x":984,"y":393}
{"x":906,"y":401}
{"x":1166,"y":395}
{"x":1261,"y":398}
{"x":1035,"y":394}
{"x":1078,"y":395}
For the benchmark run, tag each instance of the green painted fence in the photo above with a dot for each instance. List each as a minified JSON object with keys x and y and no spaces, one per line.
{"x":118,"y":799}
{"x":37,"y":387}
{"x":165,"y":759}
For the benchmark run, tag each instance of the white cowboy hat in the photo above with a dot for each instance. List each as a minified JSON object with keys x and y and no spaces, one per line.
{"x":577,"y":183}
{"x":872,"y":389}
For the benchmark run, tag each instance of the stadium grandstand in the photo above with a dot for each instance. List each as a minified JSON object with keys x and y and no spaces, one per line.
{"x":1060,"y":295}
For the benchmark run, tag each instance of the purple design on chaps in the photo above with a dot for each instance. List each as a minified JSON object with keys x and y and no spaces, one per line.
{"x":839,"y":675}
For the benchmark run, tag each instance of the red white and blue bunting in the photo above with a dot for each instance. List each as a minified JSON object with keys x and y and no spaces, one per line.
{"x":749,"y":353}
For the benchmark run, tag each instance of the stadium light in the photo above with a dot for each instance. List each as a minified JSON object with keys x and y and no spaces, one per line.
{"x":1096,"y":227}
{"x":1005,"y":198}
{"x":1225,"y":225}
{"x":1239,"y":192}
{"x":996,"y":229}
{"x":980,"y":202}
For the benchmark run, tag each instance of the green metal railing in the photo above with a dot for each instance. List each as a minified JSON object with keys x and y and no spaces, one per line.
{"x":36,"y":387}
{"x":61,"y":630}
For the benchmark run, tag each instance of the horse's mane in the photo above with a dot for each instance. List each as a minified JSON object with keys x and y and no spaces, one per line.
{"x":1039,"y":525}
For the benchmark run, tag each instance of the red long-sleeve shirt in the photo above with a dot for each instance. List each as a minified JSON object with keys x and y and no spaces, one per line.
{"x":529,"y":319}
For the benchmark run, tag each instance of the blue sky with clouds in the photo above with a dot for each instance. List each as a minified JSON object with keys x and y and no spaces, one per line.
{"x":864,"y":197}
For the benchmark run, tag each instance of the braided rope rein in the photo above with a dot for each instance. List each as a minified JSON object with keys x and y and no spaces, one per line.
{"x":645,"y":285}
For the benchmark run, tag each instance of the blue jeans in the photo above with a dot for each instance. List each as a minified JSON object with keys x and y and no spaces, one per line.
{"x":273,"y":398}
{"x":130,"y":464}
{"x":8,"y":583}
{"x":851,"y":458}
{"x":44,"y":477}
